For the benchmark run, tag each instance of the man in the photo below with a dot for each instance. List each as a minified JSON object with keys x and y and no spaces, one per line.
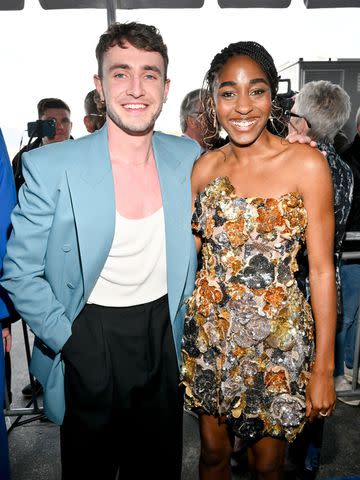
{"x":93,"y":119}
{"x":99,"y":265}
{"x":350,"y":275}
{"x":320,"y":110}
{"x":192,"y":117}
{"x":48,"y":109}
{"x":7,"y":202}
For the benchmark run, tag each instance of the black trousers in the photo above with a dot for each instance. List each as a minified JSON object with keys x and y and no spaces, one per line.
{"x":124,"y":407}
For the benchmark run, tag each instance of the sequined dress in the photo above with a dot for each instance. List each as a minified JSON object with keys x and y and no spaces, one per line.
{"x":248,"y":339}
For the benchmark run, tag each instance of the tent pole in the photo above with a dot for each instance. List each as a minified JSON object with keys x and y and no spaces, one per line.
{"x":111,"y":11}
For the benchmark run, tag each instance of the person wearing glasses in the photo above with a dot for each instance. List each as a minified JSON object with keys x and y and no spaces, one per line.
{"x":94,"y":117}
{"x":320,"y":111}
{"x":249,"y":367}
{"x":350,"y":271}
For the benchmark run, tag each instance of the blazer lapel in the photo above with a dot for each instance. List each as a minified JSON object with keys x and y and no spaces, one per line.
{"x":177,"y":211}
{"x":93,"y":200}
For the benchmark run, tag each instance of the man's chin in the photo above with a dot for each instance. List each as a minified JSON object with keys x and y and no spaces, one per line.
{"x":134,"y":128}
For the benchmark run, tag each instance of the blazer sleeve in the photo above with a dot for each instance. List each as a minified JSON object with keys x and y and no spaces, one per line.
{"x":24,"y":264}
{"x":7,"y":203}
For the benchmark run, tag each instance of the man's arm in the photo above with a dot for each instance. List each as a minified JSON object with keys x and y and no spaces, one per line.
{"x":24,"y":263}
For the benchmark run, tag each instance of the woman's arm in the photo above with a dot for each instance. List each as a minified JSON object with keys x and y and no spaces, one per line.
{"x":317,"y":191}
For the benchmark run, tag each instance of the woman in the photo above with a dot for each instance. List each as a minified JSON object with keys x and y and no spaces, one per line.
{"x":249,"y":332}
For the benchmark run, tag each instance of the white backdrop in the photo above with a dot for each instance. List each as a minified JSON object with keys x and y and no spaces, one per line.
{"x":50,"y":53}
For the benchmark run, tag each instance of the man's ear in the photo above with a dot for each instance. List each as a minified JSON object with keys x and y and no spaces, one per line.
{"x":88,"y":124}
{"x":98,"y":87}
{"x":191,"y":122}
{"x":166,"y":90}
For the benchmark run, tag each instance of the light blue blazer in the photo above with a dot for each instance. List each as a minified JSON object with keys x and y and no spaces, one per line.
{"x":63,"y":229}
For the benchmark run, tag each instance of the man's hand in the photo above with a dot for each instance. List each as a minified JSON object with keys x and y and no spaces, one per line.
{"x":297,"y":138}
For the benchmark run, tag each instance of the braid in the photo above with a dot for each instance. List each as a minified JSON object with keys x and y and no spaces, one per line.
{"x":253,"y":50}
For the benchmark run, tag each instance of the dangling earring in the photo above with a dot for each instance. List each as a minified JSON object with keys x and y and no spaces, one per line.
{"x":213,"y":115}
{"x":277,"y":124}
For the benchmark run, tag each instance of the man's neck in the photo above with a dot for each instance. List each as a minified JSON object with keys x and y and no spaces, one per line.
{"x":124,"y":147}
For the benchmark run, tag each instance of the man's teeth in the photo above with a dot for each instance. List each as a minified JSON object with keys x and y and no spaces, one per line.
{"x":134,"y":106}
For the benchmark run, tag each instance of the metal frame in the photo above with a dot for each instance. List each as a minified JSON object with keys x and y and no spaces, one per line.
{"x":32,"y":408}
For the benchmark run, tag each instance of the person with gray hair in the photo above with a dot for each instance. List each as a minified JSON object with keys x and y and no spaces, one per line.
{"x":350,"y":274}
{"x":320,"y":110}
{"x":191,"y":114}
{"x":326,"y":106}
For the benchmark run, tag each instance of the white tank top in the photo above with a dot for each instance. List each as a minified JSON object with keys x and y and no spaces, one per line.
{"x":135,"y":271}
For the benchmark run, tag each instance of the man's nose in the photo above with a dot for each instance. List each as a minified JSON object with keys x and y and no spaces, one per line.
{"x":59,"y":125}
{"x":135,"y":87}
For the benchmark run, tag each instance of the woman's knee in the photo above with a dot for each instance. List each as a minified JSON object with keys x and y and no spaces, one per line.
{"x":268,"y":457}
{"x":267,"y":466}
{"x":212,"y":455}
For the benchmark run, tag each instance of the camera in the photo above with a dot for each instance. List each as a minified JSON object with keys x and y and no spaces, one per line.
{"x":41,"y":128}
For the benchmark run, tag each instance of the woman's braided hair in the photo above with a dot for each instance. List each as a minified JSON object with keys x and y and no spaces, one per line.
{"x":251,"y":49}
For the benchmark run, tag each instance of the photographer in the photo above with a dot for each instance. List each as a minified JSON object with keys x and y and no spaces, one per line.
{"x":48,"y":109}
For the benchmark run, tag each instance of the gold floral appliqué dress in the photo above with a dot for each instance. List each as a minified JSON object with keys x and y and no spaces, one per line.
{"x":248,"y":339}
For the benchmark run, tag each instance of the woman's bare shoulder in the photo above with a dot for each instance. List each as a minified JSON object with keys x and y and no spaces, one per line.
{"x":305,"y":158}
{"x":205,"y":168}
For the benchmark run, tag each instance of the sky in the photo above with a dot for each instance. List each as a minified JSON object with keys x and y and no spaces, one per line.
{"x":51,"y":53}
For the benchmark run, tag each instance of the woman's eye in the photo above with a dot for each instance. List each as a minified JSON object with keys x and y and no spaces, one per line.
{"x":258,"y":91}
{"x":227,"y":94}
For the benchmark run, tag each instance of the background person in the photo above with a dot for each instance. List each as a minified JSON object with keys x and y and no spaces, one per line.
{"x":248,"y":336}
{"x":320,"y":110}
{"x":191,"y":114}
{"x":48,"y":109}
{"x":195,"y":124}
{"x":94,"y":117}
{"x":350,"y":273}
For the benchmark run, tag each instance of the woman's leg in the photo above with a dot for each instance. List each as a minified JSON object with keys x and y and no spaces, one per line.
{"x":266,"y":458}
{"x":216,"y":449}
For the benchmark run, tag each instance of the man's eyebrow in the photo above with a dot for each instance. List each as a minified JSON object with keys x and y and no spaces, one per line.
{"x":125,"y":66}
{"x":122,"y":66}
{"x":152,"y":68}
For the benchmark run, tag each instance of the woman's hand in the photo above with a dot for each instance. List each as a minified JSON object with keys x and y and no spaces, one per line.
{"x":320,"y":395}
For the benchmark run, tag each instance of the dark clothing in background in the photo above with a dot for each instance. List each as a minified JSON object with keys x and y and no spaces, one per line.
{"x":17,"y":162}
{"x":343,"y":184}
{"x":351,"y":155}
